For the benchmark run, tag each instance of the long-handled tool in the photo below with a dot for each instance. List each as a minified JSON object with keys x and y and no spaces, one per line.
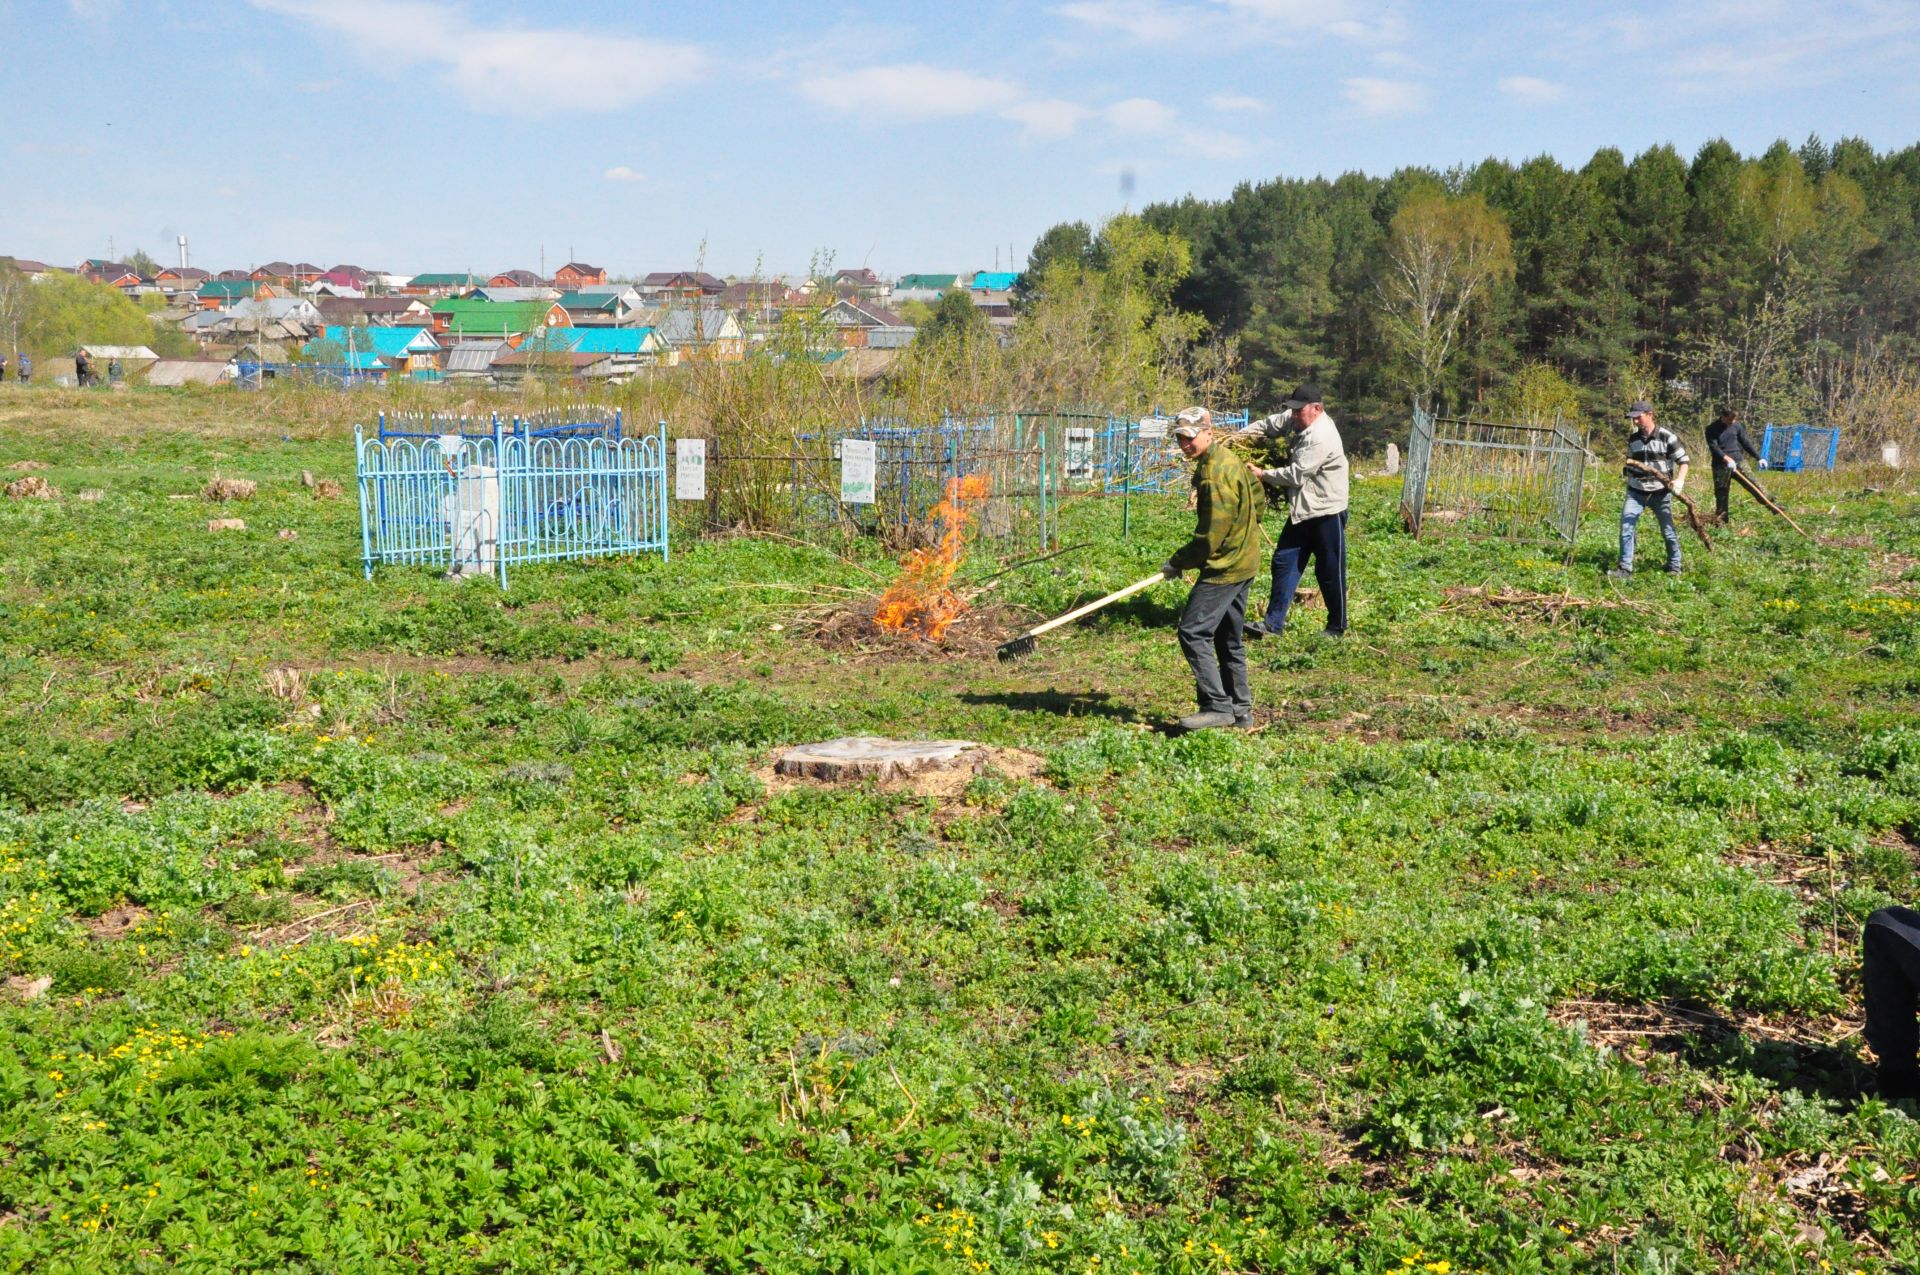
{"x":1753,"y":487}
{"x":1025,"y":643}
{"x":1693,"y":514}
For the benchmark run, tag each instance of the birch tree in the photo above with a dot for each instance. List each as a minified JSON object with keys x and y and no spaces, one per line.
{"x":1445,"y":254}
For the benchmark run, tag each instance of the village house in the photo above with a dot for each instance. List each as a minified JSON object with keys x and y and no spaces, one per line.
{"x":703,"y":334}
{"x":516,"y":279}
{"x":863,"y":324}
{"x":115,"y":274}
{"x":603,"y":307}
{"x":511,"y":319}
{"x":667,"y":286}
{"x":377,"y":312}
{"x":859,"y":283}
{"x":576,"y":275}
{"x":28,"y":266}
{"x":411,"y":351}
{"x":923,"y":287}
{"x":442,"y":285}
{"x":279,"y":273}
{"x":172,"y":279}
{"x":219,"y":294}
{"x":472,"y":360}
{"x":512,"y":292}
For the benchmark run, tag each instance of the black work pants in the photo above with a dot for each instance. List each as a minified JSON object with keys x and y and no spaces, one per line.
{"x":1890,"y":973}
{"x":1324,"y":539}
{"x":1213,"y":638}
{"x":1722,"y":488}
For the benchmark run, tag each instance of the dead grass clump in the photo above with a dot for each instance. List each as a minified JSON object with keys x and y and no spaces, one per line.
{"x":976,"y":634}
{"x":284,"y":682}
{"x":90,"y":495}
{"x":1551,"y":607}
{"x":327,"y":489}
{"x":225,"y":489}
{"x":28,"y":466}
{"x":32,"y":487}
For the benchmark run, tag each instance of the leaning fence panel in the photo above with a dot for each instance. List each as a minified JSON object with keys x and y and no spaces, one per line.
{"x":470,"y":504}
{"x":1494,"y":479}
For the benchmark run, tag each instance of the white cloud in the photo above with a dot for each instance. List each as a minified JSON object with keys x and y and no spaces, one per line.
{"x":1147,"y":21}
{"x":1047,"y":119}
{"x":1377,"y":98}
{"x":911,"y":91}
{"x":1208,"y":144}
{"x":621,"y":173}
{"x":1141,"y":115}
{"x":1236,"y":103}
{"x":507,"y":69}
{"x":1532,"y":90}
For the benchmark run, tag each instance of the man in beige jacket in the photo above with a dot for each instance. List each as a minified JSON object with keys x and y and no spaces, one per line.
{"x":1314,"y":481}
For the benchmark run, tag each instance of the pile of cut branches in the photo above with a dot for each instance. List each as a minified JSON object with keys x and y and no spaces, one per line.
{"x":1551,"y":607}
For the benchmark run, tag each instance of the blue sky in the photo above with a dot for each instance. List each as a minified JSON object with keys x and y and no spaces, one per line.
{"x":451,"y":134}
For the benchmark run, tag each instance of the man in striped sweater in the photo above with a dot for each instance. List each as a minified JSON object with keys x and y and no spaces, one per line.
{"x":1658,"y":449}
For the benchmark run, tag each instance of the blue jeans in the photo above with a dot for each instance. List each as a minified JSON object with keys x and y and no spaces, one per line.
{"x":1323,"y":539}
{"x":1660,"y":504}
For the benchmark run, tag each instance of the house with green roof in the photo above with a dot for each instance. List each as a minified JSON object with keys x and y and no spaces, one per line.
{"x":443,"y":285}
{"x":923,"y":287}
{"x":219,"y":294}
{"x":602,"y":308}
{"x":510,"y":319}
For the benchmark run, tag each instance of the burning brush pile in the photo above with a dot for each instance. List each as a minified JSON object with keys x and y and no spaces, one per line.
{"x":922,"y":610}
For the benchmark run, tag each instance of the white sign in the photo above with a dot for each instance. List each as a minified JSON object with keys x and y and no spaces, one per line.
{"x":1079,"y":454}
{"x":856,"y":471}
{"x":1151,"y":427}
{"x":690,"y":468}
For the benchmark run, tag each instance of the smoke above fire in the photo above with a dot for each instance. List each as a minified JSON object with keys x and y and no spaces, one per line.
{"x":921,"y":602}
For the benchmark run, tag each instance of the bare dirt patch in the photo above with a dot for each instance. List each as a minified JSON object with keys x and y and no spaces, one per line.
{"x":116,"y":922}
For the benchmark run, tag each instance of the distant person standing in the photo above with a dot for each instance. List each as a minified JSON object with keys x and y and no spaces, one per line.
{"x":1659,"y":449}
{"x":82,"y":368}
{"x":1725,"y":441}
{"x":1225,"y":548}
{"x":3,"y":367}
{"x":115,"y":372}
{"x":26,"y":366}
{"x":1314,"y":481}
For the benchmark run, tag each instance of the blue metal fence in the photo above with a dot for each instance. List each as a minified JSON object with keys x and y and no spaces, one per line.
{"x":479,"y":503}
{"x":1793,"y":448}
{"x":604,"y":423}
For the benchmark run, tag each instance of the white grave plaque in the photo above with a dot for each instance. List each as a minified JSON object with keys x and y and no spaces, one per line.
{"x":690,"y":468}
{"x":472,"y":511}
{"x":1151,"y":427}
{"x":1079,"y":454}
{"x":856,"y":471}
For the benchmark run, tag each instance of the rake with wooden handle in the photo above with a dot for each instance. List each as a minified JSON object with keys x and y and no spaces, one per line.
{"x":1026,"y":642}
{"x":1753,"y":486}
{"x":1693,"y":514}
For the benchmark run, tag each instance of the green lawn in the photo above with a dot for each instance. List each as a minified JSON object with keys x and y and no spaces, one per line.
{"x":414,"y":926}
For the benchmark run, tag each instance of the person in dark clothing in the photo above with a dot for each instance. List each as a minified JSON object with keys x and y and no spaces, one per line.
{"x":1725,"y":441}
{"x":1890,"y":972}
{"x":3,"y":367}
{"x":1225,"y":548}
{"x":82,"y":368}
{"x":115,"y":372}
{"x":26,"y":366}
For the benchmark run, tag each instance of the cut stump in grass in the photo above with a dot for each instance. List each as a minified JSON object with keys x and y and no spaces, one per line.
{"x":858,"y":757}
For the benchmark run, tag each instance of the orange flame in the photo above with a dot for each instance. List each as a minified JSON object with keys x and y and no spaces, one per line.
{"x":921,"y":602}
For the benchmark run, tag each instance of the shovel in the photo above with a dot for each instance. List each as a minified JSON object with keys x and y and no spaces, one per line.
{"x":1026,"y":642}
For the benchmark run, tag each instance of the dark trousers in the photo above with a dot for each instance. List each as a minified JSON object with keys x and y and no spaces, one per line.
{"x":1212,"y":637}
{"x":1722,"y":488}
{"x":1890,"y":974}
{"x":1324,"y":539}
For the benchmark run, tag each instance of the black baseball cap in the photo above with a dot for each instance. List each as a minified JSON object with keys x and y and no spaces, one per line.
{"x":1306,"y":393}
{"x":1641,"y":406}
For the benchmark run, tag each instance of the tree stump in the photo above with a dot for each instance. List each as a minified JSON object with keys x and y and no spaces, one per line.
{"x":871,"y":757}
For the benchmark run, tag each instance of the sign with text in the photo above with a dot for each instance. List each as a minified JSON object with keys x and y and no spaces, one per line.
{"x":690,"y":468}
{"x":856,"y":471}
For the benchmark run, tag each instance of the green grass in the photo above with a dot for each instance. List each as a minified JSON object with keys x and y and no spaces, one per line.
{"x":481,"y":944}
